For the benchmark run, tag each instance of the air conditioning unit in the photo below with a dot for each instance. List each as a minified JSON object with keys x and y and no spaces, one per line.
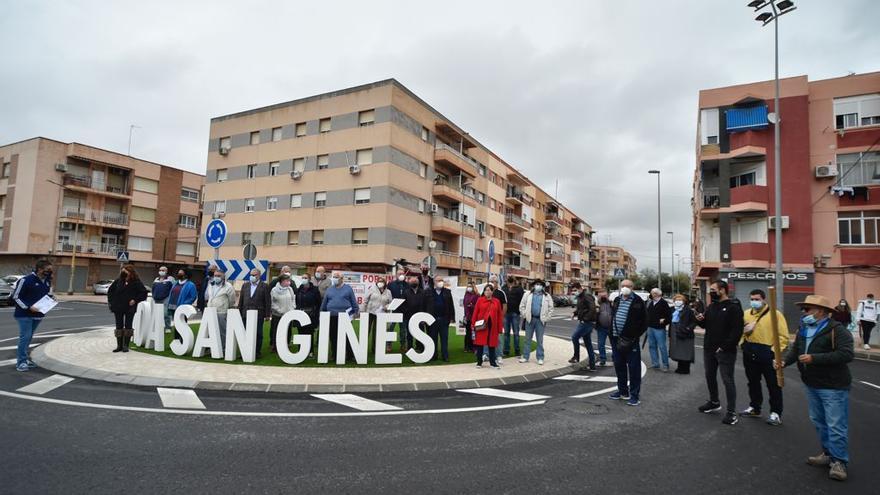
{"x":435,"y":208}
{"x":61,"y":167}
{"x":354,"y":169}
{"x":825,"y":171}
{"x":771,"y":222}
{"x":296,"y":175}
{"x":224,"y":150}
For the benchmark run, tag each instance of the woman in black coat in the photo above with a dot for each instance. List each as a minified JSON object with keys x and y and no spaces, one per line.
{"x":123,"y":296}
{"x":681,"y":335}
{"x":308,"y":299}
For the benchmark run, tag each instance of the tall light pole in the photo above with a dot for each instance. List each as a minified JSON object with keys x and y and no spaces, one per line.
{"x":75,"y":232}
{"x":779,"y":7}
{"x":131,"y":128}
{"x":672,"y":262}
{"x":659,"y":259}
{"x":461,"y":185}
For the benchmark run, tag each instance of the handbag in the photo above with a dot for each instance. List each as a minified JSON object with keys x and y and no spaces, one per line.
{"x":624,"y":344}
{"x":480,"y":325}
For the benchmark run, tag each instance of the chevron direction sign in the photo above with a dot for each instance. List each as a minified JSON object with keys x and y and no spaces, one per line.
{"x":240,"y":269}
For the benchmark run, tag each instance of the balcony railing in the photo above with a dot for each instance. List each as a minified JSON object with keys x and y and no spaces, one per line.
{"x":711,"y":198}
{"x":97,"y":248}
{"x":554,"y":236}
{"x":552,"y":255}
{"x":514,"y":243}
{"x":444,"y":181}
{"x":515,"y":195}
{"x":87,"y":182}
{"x":553,"y":217}
{"x":519,"y":271}
{"x":553,"y":277}
{"x":97,"y":216}
{"x":448,"y":259}
{"x":440,"y":146}
{"x":516,"y":219}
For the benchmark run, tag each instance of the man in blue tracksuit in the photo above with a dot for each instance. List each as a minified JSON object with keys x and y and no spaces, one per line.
{"x":27,"y":292}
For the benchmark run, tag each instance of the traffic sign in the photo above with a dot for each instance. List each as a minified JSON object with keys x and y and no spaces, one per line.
{"x":491,"y":251}
{"x":249,"y":252}
{"x":241,"y":269}
{"x":122,"y":256}
{"x":215,"y":233}
{"x":430,"y":262}
{"x":619,"y":273}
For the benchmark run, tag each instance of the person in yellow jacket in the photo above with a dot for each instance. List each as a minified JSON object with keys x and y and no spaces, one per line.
{"x":757,"y":351}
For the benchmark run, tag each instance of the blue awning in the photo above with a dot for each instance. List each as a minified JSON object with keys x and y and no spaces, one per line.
{"x":746,"y":119}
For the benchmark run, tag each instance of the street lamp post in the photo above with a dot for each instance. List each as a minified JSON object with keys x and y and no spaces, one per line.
{"x":659,"y":259}
{"x":672,"y":261}
{"x":75,"y":232}
{"x":779,"y":7}
{"x":461,"y":186}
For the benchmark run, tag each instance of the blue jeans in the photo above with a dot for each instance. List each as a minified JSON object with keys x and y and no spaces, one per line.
{"x":657,"y":342}
{"x":584,"y":331}
{"x":829,"y":412}
{"x":26,"y":328}
{"x":534,"y":328}
{"x":628,"y":367}
{"x":601,"y":337}
{"x":511,"y":328}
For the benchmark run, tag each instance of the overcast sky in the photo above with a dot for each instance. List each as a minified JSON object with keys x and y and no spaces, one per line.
{"x":590,"y":93}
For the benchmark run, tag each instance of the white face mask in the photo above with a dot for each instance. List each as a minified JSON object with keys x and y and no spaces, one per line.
{"x":218,"y":280}
{"x":334,"y":280}
{"x":401,"y":278}
{"x":439,"y":285}
{"x":254,"y":279}
{"x":380,"y":285}
{"x":626,"y":291}
{"x":576,"y":293}
{"x":539,"y":289}
{"x":163,"y":273}
{"x":678,"y":304}
{"x":470,"y":289}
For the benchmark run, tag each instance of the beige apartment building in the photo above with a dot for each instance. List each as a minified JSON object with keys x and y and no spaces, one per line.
{"x":69,"y":200}
{"x":359,"y":178}
{"x":604,"y":260}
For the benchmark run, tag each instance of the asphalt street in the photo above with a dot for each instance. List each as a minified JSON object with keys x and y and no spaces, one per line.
{"x":95,"y":437}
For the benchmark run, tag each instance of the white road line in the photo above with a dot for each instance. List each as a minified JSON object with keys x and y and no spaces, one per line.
{"x":8,"y":362}
{"x":609,"y":389}
{"x":408,"y":412}
{"x":54,"y":333}
{"x":587,"y":378}
{"x":46,"y":384}
{"x":71,"y":316}
{"x":870,"y":384}
{"x":356,"y":402}
{"x":504,"y":394}
{"x":11,"y":347}
{"x":180,"y":398}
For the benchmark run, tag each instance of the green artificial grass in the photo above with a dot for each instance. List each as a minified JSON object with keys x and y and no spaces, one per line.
{"x":456,"y":352}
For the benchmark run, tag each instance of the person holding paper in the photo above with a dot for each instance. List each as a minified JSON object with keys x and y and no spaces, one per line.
{"x":28,"y":291}
{"x":487,"y":322}
{"x":123,"y":296}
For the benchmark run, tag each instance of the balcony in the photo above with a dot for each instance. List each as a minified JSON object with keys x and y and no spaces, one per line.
{"x":553,"y":217}
{"x":514,"y":221}
{"x":447,"y":259}
{"x":555,"y":237}
{"x":513,"y":243}
{"x":554,"y":256}
{"x":711,"y":198}
{"x":449,"y":190}
{"x":90,"y":248}
{"x":553,"y":277}
{"x":750,"y":251}
{"x":86,"y":184}
{"x":449,"y":224}
{"x":452,"y":157}
{"x":519,"y":271}
{"x":752,"y":198}
{"x":515,"y":197}
{"x":95,"y":217}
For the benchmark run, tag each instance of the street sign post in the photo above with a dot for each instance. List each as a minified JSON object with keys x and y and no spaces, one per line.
{"x":240,"y":269}
{"x":249,"y":252}
{"x":215,"y":235}
{"x":122,"y":256}
{"x":491,"y":258}
{"x":619,"y":273}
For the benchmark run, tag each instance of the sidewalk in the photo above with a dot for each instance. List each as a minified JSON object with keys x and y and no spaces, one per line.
{"x":86,"y":297}
{"x":860,"y":353}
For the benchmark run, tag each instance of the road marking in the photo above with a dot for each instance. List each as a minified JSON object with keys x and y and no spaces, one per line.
{"x":356,"y":402}
{"x":181,"y":398}
{"x":11,"y":347}
{"x":408,"y":412}
{"x":71,"y":316}
{"x":54,"y":333}
{"x":46,"y":384}
{"x":609,"y":389}
{"x":8,"y":362}
{"x":504,"y":394}
{"x":587,"y":378}
{"x":870,"y":384}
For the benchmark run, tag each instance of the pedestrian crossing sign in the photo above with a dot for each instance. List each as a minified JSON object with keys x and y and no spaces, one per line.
{"x":619,"y":273}
{"x":122,"y":256}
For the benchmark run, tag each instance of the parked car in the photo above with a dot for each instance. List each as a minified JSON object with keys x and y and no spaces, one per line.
{"x":7,"y":285}
{"x":561,"y":300}
{"x":641,"y":293}
{"x":101,"y":286}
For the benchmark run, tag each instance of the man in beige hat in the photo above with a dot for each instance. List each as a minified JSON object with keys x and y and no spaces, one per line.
{"x":822,"y":349}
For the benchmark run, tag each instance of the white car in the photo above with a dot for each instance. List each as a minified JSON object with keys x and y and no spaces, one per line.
{"x":641,"y":293}
{"x":102,"y":286}
{"x":7,"y":285}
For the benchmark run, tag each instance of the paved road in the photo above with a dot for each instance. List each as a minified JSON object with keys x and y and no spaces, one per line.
{"x":543,"y":441}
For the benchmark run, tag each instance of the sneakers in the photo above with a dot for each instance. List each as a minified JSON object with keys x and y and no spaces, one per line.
{"x":485,"y":358}
{"x":751,"y":412}
{"x":633,"y":401}
{"x":618,"y":396}
{"x":837,"y":471}
{"x":867,"y":348}
{"x":602,"y":363}
{"x":573,"y":360}
{"x":496,"y":367}
{"x":730,"y":418}
{"x":498,"y":360}
{"x":819,"y":460}
{"x":541,"y":362}
{"x":710,"y":407}
{"x":774,"y":420}
{"x":592,"y":368}
{"x":479,"y":365}
{"x":523,"y":360}
{"x":30,"y":364}
{"x":22,"y":367}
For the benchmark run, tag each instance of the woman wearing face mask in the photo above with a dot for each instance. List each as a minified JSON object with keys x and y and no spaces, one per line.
{"x":123,"y":296}
{"x":220,"y":295}
{"x":681,"y":335}
{"x":536,"y":308}
{"x":183,"y":292}
{"x":843,"y":313}
{"x":283,"y":300}
{"x":469,"y":302}
{"x":487,"y":322}
{"x":376,"y":301}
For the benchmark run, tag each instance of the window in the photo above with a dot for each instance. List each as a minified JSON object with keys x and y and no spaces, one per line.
{"x":6,"y":167}
{"x":360,"y":236}
{"x":268,"y":237}
{"x":317,"y":237}
{"x":226,"y":142}
{"x":479,"y":256}
{"x":222,"y":175}
{"x":362,"y":196}
{"x":425,"y":134}
{"x":249,"y":204}
{"x":743,"y":180}
{"x":855,"y":111}
{"x":364,"y":157}
{"x":140,"y":243}
{"x":846,"y":120}
{"x":189,"y":195}
{"x":245,"y":238}
{"x":299,"y":165}
{"x":301,"y":129}
{"x":323,"y":162}
{"x":187,"y":221}
{"x":420,"y":243}
{"x":251,"y":171}
{"x":276,"y":134}
{"x":272,"y":203}
{"x":859,"y":169}
{"x":320,"y":199}
{"x":421,"y":205}
{"x":2,"y":202}
{"x":141,"y":214}
{"x":220,"y":206}
{"x":492,"y":205}
{"x":482,"y":170}
{"x":186,"y":248}
{"x":423,"y":170}
{"x":273,"y":169}
{"x":296,"y":200}
{"x":858,"y":227}
{"x":146,"y":185}
{"x":293,"y":237}
{"x":324,"y":125}
{"x":709,"y":126}
{"x":255,"y":137}
{"x":746,"y":230}
{"x":367,"y":117}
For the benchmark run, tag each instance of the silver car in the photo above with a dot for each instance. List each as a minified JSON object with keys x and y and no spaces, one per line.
{"x":7,"y":285}
{"x":101,"y":286}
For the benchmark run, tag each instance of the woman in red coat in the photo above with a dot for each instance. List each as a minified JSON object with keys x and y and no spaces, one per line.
{"x":488,"y":309}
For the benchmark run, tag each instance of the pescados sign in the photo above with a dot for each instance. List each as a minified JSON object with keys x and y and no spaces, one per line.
{"x":241,"y":336}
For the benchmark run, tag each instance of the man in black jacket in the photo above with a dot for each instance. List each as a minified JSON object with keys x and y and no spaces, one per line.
{"x":255,"y":295}
{"x":413,"y":303}
{"x":723,"y":321}
{"x":585,"y":313}
{"x":628,"y":325}
{"x":515,"y":293}
{"x":659,"y":314}
{"x":438,"y":303}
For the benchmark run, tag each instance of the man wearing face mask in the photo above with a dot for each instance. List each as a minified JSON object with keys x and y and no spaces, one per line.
{"x":438,"y":303}
{"x":339,"y":298}
{"x":308,"y":299}
{"x":628,"y":325}
{"x":221,"y":296}
{"x":758,"y":356}
{"x":255,"y":294}
{"x":658,"y":318}
{"x":723,"y":321}
{"x":376,"y":301}
{"x":161,"y":289}
{"x":183,"y":292}
{"x":537,"y":308}
{"x":822,"y":349}
{"x":321,"y":280}
{"x":203,"y":288}
{"x":28,"y":291}
{"x":398,"y":288}
{"x":603,"y":324}
{"x":413,"y":303}
{"x":285,"y":270}
{"x":283,"y":300}
{"x":425,"y":279}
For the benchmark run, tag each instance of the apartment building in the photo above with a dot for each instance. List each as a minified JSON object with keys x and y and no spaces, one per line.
{"x":830,"y":135}
{"x":359,"y":178}
{"x":69,"y":200}
{"x":604,"y":260}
